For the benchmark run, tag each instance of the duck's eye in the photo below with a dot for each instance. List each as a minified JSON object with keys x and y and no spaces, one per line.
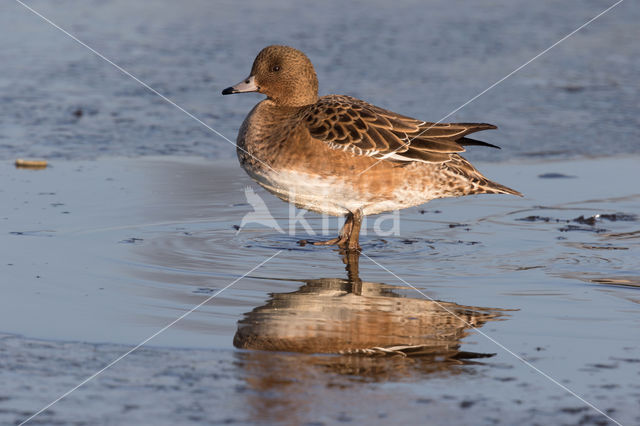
{"x":276,"y":68}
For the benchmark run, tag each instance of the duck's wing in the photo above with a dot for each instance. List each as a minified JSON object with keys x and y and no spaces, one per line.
{"x":353,"y":125}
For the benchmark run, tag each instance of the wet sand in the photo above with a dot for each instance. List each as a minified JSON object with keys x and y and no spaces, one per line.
{"x":99,"y":255}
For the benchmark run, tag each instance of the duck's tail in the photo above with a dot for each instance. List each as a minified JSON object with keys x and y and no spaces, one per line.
{"x":474,"y":181}
{"x":496,"y":188}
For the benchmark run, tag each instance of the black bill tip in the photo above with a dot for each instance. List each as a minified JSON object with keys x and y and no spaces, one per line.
{"x":229,"y":91}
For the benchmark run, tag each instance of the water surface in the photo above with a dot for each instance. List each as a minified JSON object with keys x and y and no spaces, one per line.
{"x":424,"y":60}
{"x":106,"y":253}
{"x":99,"y":255}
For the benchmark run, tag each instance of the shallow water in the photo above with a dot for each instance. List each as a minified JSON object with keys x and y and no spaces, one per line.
{"x":96,"y":256}
{"x":105,"y":253}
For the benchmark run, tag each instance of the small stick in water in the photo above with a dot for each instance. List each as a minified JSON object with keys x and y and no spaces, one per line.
{"x":33,"y":164}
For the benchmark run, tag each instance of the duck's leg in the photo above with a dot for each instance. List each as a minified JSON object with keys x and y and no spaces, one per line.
{"x":354,"y":235}
{"x":349,"y":234}
{"x":342,"y":238}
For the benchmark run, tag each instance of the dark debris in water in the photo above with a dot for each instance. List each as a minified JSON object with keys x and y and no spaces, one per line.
{"x":625,"y":235}
{"x":460,"y":225}
{"x":555,"y":176}
{"x":618,"y":281}
{"x":467,"y":404}
{"x":573,"y":88}
{"x":605,"y":366}
{"x":628,"y":360}
{"x":528,"y":268}
{"x":574,"y":410}
{"x":591,"y":221}
{"x":571,"y":228}
{"x":615,"y":217}
{"x":41,"y":233}
{"x":409,"y":241}
{"x":546,"y":153}
{"x":604,"y":246}
{"x":80,"y":111}
{"x":205,"y":290}
{"x":536,"y":218}
{"x":132,"y":240}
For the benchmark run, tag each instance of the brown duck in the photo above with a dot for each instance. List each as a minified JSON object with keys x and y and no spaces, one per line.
{"x":342,"y":156}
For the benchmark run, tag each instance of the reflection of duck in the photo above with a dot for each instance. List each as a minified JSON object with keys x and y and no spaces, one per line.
{"x":346,"y":332}
{"x":331,"y":315}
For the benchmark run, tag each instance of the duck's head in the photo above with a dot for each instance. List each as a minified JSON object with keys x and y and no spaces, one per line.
{"x":282,"y":73}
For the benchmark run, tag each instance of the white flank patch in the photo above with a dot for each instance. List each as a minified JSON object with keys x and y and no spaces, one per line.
{"x":334,"y":196}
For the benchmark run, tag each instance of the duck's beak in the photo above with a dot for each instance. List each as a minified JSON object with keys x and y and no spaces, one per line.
{"x":247,"y":85}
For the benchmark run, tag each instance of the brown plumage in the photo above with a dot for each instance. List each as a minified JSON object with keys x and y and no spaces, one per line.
{"x":343,"y":156}
{"x":353,"y":125}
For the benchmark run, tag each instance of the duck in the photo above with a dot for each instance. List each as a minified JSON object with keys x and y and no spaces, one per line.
{"x":342,"y":156}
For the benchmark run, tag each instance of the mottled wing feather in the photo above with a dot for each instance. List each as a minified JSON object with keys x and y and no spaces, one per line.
{"x":353,"y":125}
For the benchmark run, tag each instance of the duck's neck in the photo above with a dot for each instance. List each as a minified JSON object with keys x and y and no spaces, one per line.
{"x":297,"y":93}
{"x":295,"y":100}
{"x":274,"y":109}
